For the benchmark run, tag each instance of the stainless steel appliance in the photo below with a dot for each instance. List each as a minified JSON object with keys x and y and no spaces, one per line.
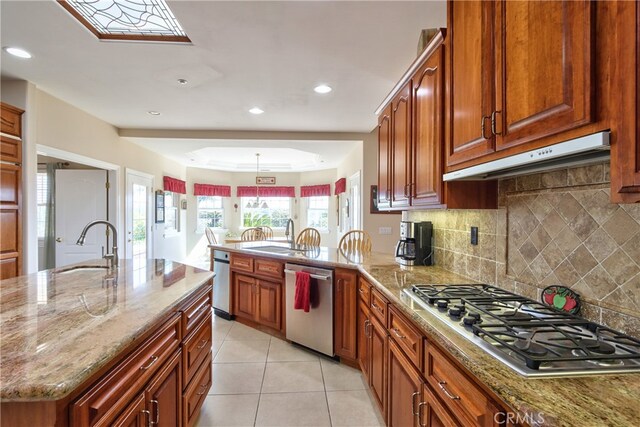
{"x":221,"y":284}
{"x":532,"y":338}
{"x":315,"y":328}
{"x":415,"y":244}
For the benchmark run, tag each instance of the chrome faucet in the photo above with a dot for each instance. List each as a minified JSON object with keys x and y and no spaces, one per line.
{"x":290,"y":231}
{"x":112,"y":258}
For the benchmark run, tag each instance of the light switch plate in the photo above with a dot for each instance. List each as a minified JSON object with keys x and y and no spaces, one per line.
{"x":384,"y":230}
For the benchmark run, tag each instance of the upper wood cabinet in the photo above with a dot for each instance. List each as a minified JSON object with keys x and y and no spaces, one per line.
{"x":384,"y":158}
{"x":401,"y":146}
{"x":518,"y":72}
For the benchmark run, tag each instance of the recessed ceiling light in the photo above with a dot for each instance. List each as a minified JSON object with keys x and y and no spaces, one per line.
{"x":16,"y":51}
{"x":322,"y":89}
{"x":154,"y":113}
{"x":256,"y":110}
{"x":183,"y":81}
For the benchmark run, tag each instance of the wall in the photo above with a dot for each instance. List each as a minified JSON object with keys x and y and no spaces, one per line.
{"x":555,"y":228}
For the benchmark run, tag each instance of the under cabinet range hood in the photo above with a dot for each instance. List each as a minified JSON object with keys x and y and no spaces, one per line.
{"x":580,"y":151}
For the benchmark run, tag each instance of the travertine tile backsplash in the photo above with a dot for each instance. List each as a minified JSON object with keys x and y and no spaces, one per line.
{"x":551,"y":228}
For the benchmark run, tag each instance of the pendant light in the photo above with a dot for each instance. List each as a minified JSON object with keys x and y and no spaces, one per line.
{"x":257,"y":204}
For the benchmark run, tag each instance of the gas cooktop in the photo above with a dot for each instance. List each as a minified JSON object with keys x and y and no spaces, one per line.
{"x":530,"y":337}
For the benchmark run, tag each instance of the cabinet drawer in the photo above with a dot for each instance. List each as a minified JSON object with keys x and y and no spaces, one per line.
{"x":104,"y":400}
{"x":10,"y":121}
{"x":242,"y":263}
{"x":406,"y":336}
{"x":379,"y":306}
{"x":195,"y":349}
{"x":196,"y":311}
{"x":461,"y":394}
{"x":10,"y":150}
{"x":269,"y":268}
{"x":196,"y":392}
{"x":364,"y":290}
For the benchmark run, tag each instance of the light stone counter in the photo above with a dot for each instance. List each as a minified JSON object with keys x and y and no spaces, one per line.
{"x":603,"y":400}
{"x":58,"y":328}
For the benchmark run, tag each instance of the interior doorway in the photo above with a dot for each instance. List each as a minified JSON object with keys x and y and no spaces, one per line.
{"x":139,"y":215}
{"x":355,"y":202}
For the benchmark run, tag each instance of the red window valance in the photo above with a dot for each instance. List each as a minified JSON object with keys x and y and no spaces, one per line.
{"x":341,"y":186}
{"x":315,"y":190}
{"x":250,"y":191}
{"x":175,"y":185}
{"x":211,"y":190}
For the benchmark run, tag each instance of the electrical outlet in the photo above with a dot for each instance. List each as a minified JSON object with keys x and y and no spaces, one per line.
{"x":384,"y":230}
{"x":474,"y":235}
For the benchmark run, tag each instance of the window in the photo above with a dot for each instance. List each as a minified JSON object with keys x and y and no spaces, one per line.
{"x":42,"y":188}
{"x":318,"y":212}
{"x":275,"y":215}
{"x":210,"y":212}
{"x":171,"y":212}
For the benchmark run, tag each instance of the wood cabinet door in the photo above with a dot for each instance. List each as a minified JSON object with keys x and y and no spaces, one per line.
{"x":269,"y":307}
{"x":544,"y":78}
{"x":363,"y":334}
{"x":470,"y":85}
{"x":378,"y":354}
{"x":428,"y":138}
{"x":134,"y":415}
{"x":384,"y":158}
{"x":345,"y":307}
{"x":405,"y":389}
{"x":401,"y":146}
{"x":164,"y":394}
{"x":244,"y":296}
{"x":10,"y":221}
{"x":432,"y":413}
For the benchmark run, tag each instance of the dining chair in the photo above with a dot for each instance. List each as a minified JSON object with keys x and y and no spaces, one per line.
{"x":267,"y":231}
{"x":308,"y":237}
{"x":355,"y":241}
{"x":252,"y":234}
{"x":210,"y":236}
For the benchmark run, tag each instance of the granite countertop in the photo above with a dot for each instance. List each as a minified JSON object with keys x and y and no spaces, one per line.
{"x":58,"y":328}
{"x":578,"y":401}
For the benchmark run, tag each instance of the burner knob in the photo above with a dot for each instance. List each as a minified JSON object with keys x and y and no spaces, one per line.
{"x":460,"y":307}
{"x":471,"y":318}
{"x":455,"y":311}
{"x":442,"y":303}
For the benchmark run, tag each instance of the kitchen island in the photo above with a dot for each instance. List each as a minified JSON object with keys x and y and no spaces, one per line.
{"x":84,"y":345}
{"x":576,"y":401}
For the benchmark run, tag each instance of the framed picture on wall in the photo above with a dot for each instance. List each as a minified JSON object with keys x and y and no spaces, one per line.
{"x":373,"y":207}
{"x":159,"y":207}
{"x":265,"y":180}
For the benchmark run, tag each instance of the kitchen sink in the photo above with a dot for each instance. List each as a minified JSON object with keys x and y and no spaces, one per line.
{"x":278,"y":250}
{"x":79,"y":268}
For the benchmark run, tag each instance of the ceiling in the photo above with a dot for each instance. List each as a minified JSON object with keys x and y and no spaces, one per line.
{"x":243,"y":54}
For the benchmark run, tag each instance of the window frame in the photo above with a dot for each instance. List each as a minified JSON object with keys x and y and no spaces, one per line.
{"x":244,"y":200}
{"x":39,"y":205}
{"x":308,"y":209}
{"x":201,"y":228}
{"x":172,"y":231}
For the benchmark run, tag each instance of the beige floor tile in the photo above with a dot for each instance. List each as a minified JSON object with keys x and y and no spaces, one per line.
{"x":215,"y":346}
{"x":292,"y":377}
{"x":341,"y":377}
{"x":293,"y":409}
{"x":237,"y":378}
{"x":240,"y":332}
{"x":353,"y":408}
{"x":282,"y":351}
{"x":229,"y":410}
{"x":221,"y":328}
{"x":242,"y":351}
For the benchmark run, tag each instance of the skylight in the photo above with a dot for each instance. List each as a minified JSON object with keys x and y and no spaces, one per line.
{"x":150,"y":20}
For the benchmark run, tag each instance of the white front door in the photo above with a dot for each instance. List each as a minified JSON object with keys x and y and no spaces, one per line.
{"x":138,"y":215}
{"x":81,"y":197}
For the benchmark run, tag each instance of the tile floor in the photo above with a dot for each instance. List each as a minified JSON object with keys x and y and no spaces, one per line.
{"x":259,"y":380}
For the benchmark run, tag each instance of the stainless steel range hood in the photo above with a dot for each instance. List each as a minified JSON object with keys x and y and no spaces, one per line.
{"x":580,"y":151}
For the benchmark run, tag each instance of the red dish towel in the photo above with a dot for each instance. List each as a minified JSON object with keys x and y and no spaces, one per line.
{"x":303,"y":291}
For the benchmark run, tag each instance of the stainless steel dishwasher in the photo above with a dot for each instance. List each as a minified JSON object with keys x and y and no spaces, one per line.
{"x":221,"y":285}
{"x":315,"y":328}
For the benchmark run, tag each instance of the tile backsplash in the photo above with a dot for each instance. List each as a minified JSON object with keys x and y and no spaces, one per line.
{"x":554,"y":228}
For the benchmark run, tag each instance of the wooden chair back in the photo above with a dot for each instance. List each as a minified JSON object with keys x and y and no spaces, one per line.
{"x":309,"y":237}
{"x":267,"y":231}
{"x":210,"y":236}
{"x":355,"y":241}
{"x":252,"y":234}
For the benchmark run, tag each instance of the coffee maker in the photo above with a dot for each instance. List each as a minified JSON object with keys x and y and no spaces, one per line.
{"x":414,"y":246}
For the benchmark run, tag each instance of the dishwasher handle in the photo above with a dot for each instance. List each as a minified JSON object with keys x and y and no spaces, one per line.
{"x":313,"y":276}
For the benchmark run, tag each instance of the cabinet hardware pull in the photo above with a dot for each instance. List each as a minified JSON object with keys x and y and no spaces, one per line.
{"x":413,"y":402}
{"x":203,"y":387}
{"x":420,"y":405}
{"x":204,"y":342}
{"x":154,"y":359}
{"x":396,"y":331}
{"x":360,"y":290}
{"x":444,"y":389}
{"x":366,"y":328}
{"x":493,"y":123}
{"x":340,"y":285}
{"x":157,"y":412}
{"x":482,"y":127}
{"x":144,"y":411}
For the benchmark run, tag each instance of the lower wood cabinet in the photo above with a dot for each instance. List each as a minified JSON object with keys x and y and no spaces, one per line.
{"x":344,"y":314}
{"x":432,"y":413}
{"x":195,"y":393}
{"x":378,"y":354}
{"x":258,"y":300}
{"x":164,"y":394}
{"x":364,"y":324}
{"x":134,"y":415}
{"x":405,"y":389}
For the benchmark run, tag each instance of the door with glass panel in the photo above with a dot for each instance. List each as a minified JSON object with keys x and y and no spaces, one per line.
{"x":138,"y":215}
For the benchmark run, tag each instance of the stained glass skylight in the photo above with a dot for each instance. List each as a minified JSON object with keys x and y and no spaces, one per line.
{"x":127,"y":19}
